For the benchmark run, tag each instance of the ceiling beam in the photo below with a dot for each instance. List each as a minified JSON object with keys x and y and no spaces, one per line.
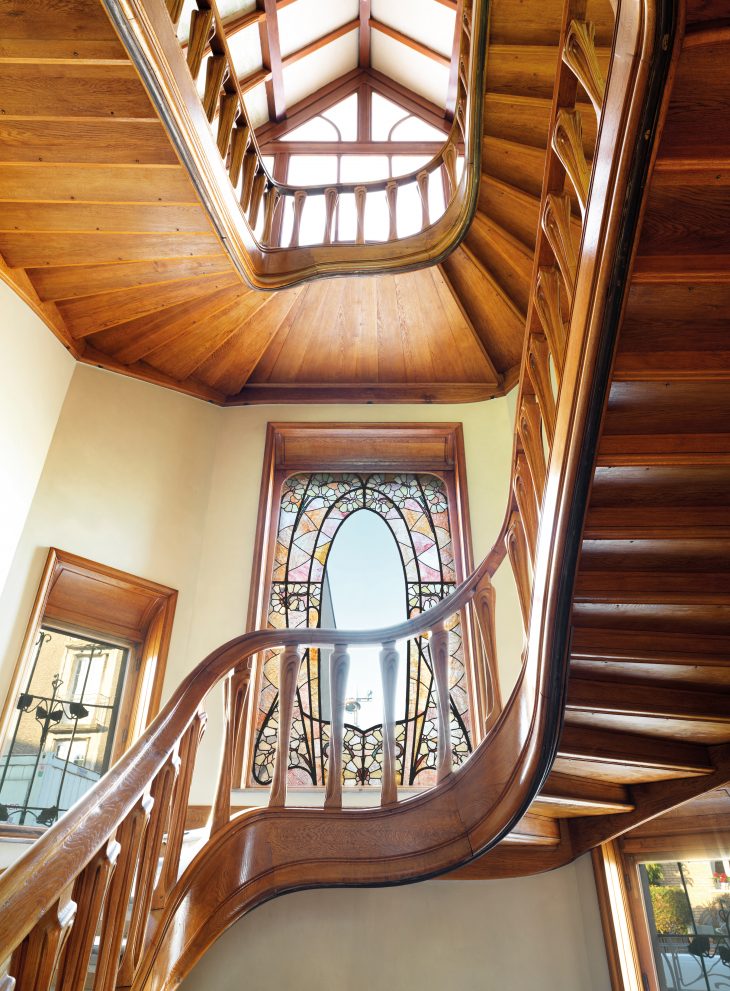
{"x":310,"y":106}
{"x":416,"y":46}
{"x":271,"y":58}
{"x":365,"y":33}
{"x":454,"y":67}
{"x":265,"y":74}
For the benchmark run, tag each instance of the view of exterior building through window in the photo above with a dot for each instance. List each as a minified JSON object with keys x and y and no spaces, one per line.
{"x":411,"y":564}
{"x":60,"y":740}
{"x":688,"y":909}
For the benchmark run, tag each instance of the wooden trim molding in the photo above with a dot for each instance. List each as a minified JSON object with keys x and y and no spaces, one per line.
{"x":93,"y":598}
{"x":309,"y":447}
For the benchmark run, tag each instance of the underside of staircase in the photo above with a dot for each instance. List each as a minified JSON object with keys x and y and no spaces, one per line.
{"x":645,"y":724}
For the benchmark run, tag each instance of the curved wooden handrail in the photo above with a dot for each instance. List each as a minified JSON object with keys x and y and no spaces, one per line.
{"x":243,"y":204}
{"x":263,"y":853}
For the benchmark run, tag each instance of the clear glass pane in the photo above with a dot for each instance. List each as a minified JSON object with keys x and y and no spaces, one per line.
{"x":409,"y":211}
{"x":62,"y":736}
{"x":415,"y":129}
{"x":403,"y":164}
{"x":312,"y":170}
{"x":385,"y":114}
{"x":688,"y":910}
{"x":317,"y":129}
{"x":346,"y":217}
{"x":344,"y":116}
{"x":364,"y":168}
{"x":377,"y":217}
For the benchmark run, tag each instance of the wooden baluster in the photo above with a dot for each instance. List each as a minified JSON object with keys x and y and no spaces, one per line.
{"x":528,"y":429}
{"x":161,"y":794}
{"x":526,"y":501}
{"x":556,"y":224}
{"x":289,"y":662}
{"x":330,"y":204}
{"x":201,"y":22}
{"x":517,"y":551}
{"x":440,"y":666}
{"x":250,"y":164}
{"x":270,"y":204}
{"x":548,"y":309}
{"x":579,"y":54}
{"x":461,"y":119}
{"x":239,"y":144}
{"x":129,"y":837}
{"x":187,"y":752}
{"x":568,"y":145}
{"x":257,"y":195}
{"x":33,"y":963}
{"x":88,"y":895}
{"x":299,"y":200}
{"x":235,"y":692}
{"x":175,"y":9}
{"x":391,"y":195}
{"x":388,"y":678}
{"x":215,"y":73}
{"x":339,"y":668}
{"x":360,"y":200}
{"x":422,"y":180}
{"x":484,"y":604}
{"x":450,"y":168}
{"x":228,"y":109}
{"x":538,"y":360}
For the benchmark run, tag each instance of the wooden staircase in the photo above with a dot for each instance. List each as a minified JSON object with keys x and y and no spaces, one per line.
{"x":104,"y":233}
{"x":622,"y":711}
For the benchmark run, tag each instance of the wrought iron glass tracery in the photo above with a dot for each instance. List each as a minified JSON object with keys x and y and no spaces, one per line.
{"x":62,"y":737}
{"x":312,"y":509}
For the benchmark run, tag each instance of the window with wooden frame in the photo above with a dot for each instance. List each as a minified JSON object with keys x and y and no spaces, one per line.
{"x":366,"y":129}
{"x":87,"y":682}
{"x":664,"y":897}
{"x":317,"y":478}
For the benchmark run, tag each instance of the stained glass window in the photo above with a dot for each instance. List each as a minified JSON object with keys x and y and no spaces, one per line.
{"x":312,"y":510}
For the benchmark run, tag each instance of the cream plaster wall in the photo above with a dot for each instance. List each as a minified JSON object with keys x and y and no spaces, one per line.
{"x":167,"y":487}
{"x":538,"y":933}
{"x":34,"y":374}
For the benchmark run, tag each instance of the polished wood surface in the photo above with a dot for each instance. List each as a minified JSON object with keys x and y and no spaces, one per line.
{"x":105,"y":235}
{"x":620,"y":760}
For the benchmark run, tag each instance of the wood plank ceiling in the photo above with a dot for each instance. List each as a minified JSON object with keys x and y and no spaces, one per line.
{"x":102,"y":232}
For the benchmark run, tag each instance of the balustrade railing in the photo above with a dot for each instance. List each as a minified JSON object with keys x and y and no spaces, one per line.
{"x":112,"y":862}
{"x":216,"y":133}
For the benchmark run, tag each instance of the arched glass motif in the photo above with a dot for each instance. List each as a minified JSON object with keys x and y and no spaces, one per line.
{"x":313,"y":507}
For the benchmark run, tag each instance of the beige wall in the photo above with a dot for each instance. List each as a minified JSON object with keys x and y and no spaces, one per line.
{"x":167,"y":487}
{"x":538,"y":933}
{"x":35,"y":371}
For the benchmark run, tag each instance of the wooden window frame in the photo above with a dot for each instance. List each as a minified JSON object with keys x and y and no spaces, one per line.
{"x":437,"y":448}
{"x":86,"y":597}
{"x":631,"y":962}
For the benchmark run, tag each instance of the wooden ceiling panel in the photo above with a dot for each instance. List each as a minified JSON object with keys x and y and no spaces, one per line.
{"x":49,"y":90}
{"x":91,"y":314}
{"x":195,"y":345}
{"x":101,"y":223}
{"x":135,"y":339}
{"x":70,"y":282}
{"x":229,"y":366}
{"x":89,"y":183}
{"x":35,"y":250}
{"x":105,"y":218}
{"x":139,"y":141}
